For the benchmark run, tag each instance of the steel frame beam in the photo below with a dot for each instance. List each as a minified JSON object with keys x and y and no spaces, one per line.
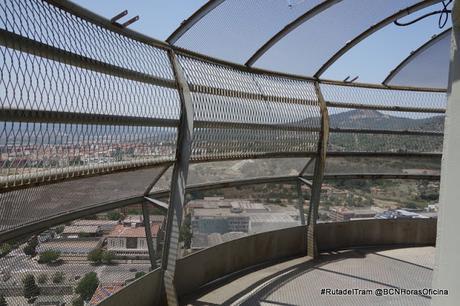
{"x":305,"y":182}
{"x":178,"y":183}
{"x":386,"y":132}
{"x":156,"y":179}
{"x":70,"y":215}
{"x":350,"y":44}
{"x":146,"y":214}
{"x":59,"y":175}
{"x":23,"y":44}
{"x":380,"y":86}
{"x":289,"y":28}
{"x":148,"y":234}
{"x":36,"y":226}
{"x":387,"y":107}
{"x":414,"y":54}
{"x":104,"y":23}
{"x":318,"y":176}
{"x":158,"y":204}
{"x":192,"y":20}
{"x":50,"y":116}
{"x":306,"y":166}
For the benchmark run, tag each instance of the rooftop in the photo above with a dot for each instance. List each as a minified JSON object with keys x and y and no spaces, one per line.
{"x":133,"y":232}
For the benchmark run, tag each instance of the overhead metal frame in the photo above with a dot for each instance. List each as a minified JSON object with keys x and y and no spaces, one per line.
{"x":293,"y":25}
{"x":91,"y":17}
{"x":192,"y":20}
{"x":289,"y":28}
{"x":415,"y":53}
{"x":353,"y":42}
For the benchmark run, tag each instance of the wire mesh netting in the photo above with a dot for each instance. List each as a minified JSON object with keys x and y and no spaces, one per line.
{"x":45,"y":23}
{"x":222,"y":214}
{"x":282,"y":115}
{"x":384,"y":120}
{"x":304,"y":50}
{"x":389,"y":165}
{"x":80,"y":100}
{"x":235,"y":29}
{"x":212,"y":172}
{"x":416,"y":165}
{"x":383,"y":97}
{"x":358,"y":142}
{"x":21,"y":207}
{"x":427,"y":67}
{"x":362,"y":119}
{"x":62,"y":120}
{"x":81,"y":261}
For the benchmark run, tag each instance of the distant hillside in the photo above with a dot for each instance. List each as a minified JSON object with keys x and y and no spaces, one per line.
{"x":371,"y":119}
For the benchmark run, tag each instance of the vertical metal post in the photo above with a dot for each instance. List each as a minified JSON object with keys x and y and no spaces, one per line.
{"x":148,"y":235}
{"x":318,"y":175}
{"x":155,"y":180}
{"x":447,"y":265}
{"x":178,"y":182}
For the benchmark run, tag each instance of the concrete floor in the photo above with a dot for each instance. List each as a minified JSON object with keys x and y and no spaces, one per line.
{"x":299,"y":281}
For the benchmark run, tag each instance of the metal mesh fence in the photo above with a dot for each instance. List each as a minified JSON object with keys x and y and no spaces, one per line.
{"x":80,"y":100}
{"x":304,"y":50}
{"x":383,"y":97}
{"x":384,"y":120}
{"x":282,"y":114}
{"x":427,"y":66}
{"x":418,"y":164}
{"x":25,"y":206}
{"x":45,"y":23}
{"x":362,"y":119}
{"x":235,"y":29}
{"x":369,"y":142}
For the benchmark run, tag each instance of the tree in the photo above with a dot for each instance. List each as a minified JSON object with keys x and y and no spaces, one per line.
{"x":49,"y":256}
{"x":30,"y":289}
{"x":59,"y":229}
{"x":114,"y":215}
{"x":30,"y":248}
{"x":83,"y":235}
{"x":95,"y":256}
{"x":185,"y":233}
{"x":87,"y":286}
{"x":139,"y":274}
{"x":58,"y":277}
{"x":3,"y":301}
{"x":42,"y":278}
{"x":108,"y":257}
{"x":78,"y":301}
{"x":5,"y":249}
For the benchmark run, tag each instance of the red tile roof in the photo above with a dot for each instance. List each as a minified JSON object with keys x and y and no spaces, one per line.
{"x":103,"y":292}
{"x":136,"y":232}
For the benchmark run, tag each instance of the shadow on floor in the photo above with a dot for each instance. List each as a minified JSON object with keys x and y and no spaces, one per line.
{"x":260,"y":290}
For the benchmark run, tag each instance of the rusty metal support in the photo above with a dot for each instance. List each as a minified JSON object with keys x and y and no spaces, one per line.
{"x":320,"y":163}
{"x":148,"y":234}
{"x":178,"y":183}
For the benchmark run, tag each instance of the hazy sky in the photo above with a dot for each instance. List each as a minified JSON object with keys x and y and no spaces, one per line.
{"x":371,"y":60}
